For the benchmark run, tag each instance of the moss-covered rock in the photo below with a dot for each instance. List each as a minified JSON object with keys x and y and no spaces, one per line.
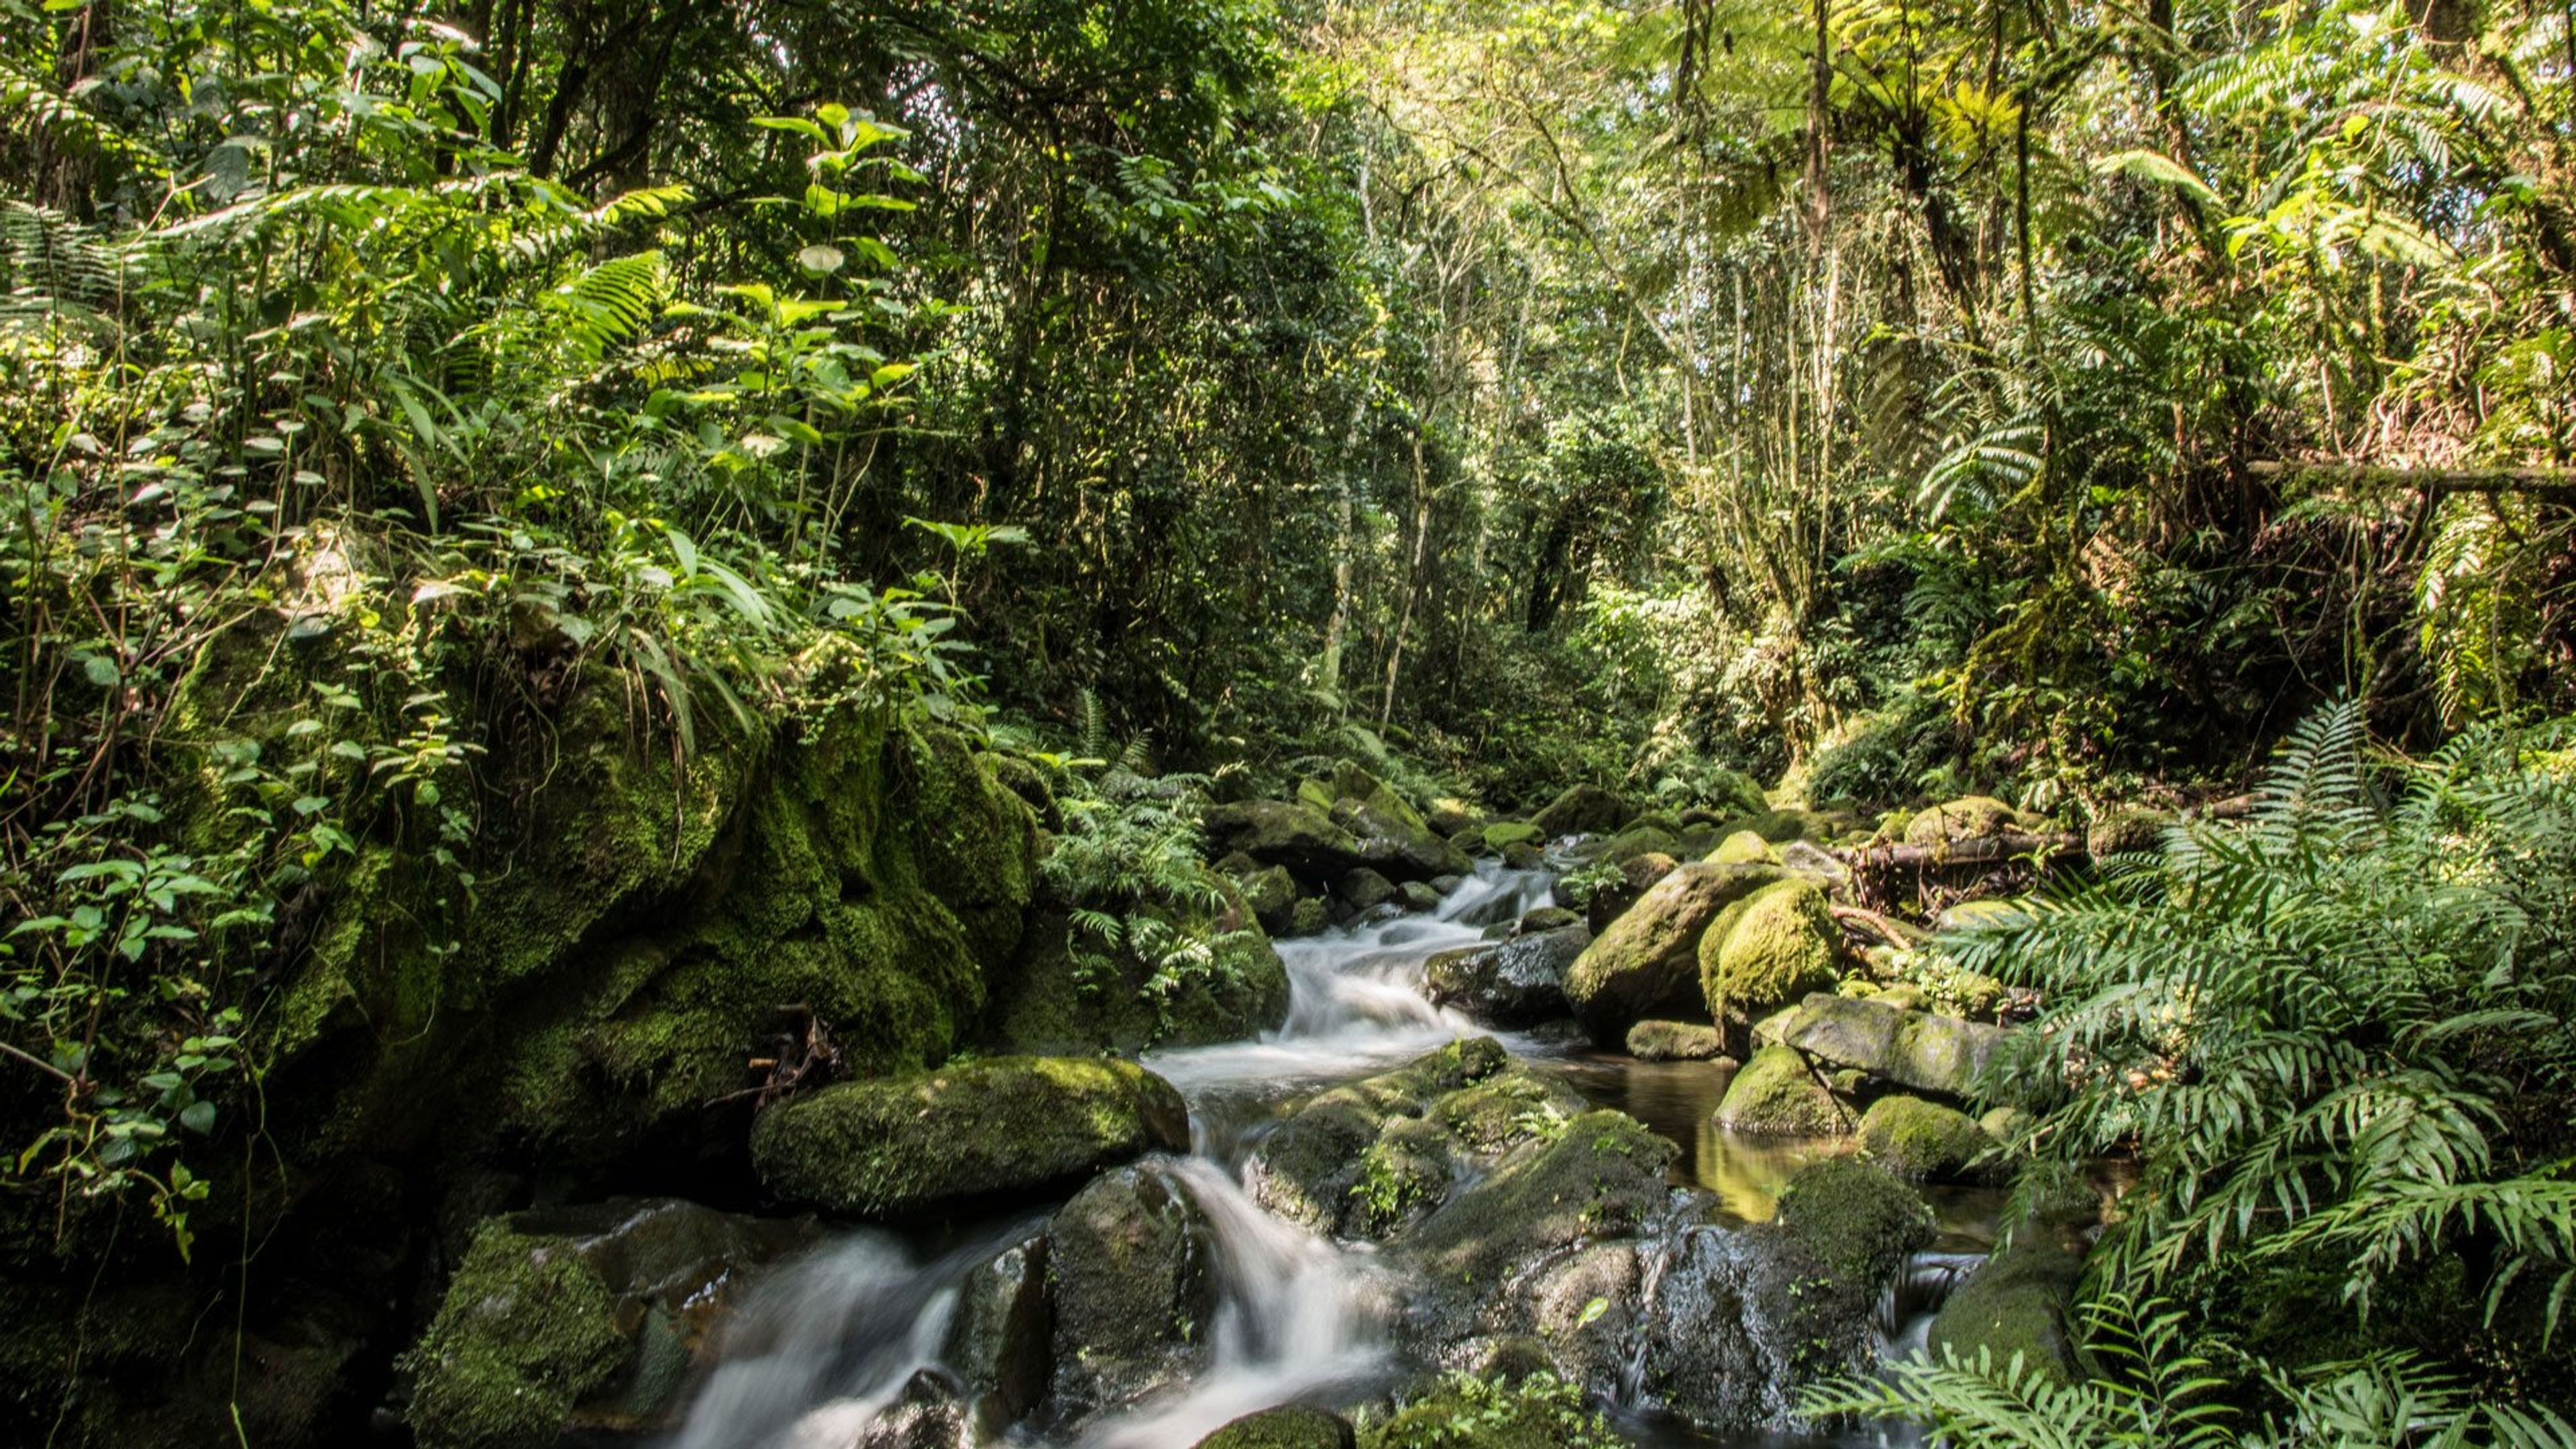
{"x":1394,"y":836}
{"x":1769,"y":948}
{"x":1270,"y":893}
{"x":1744,"y":847}
{"x":1450,"y":815}
{"x":1277,"y":832}
{"x":1516,"y":983}
{"x":1503,"y":834}
{"x":1583,"y":810}
{"x":2019,"y":1303}
{"x":1777,"y":1094}
{"x":1132,"y":1269}
{"x":1970,"y":817}
{"x":1549,"y":918}
{"x":1675,"y":1041}
{"x":1362,"y":888}
{"x":1054,"y":1003}
{"x":1295,"y":1427}
{"x":1924,"y":1141}
{"x":1856,"y":1226}
{"x":2126,"y":830}
{"x":900,"y":1148}
{"x":1309,"y":917}
{"x":1635,"y":842}
{"x":1538,"y":1411}
{"x":1646,"y":963}
{"x":1941,"y":1055}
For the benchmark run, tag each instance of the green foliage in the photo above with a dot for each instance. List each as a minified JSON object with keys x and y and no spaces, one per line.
{"x":1475,"y":1412}
{"x":2338,"y":1029}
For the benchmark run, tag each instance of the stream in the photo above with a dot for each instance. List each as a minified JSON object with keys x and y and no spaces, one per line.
{"x":825,"y":1345}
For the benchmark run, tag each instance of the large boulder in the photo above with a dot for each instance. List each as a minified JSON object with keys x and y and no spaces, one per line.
{"x":1276,"y":832}
{"x":1133,"y":1269}
{"x":575,"y":1318}
{"x":1924,"y":1141}
{"x":2020,"y":1303}
{"x":1646,"y":963}
{"x":1675,"y":1041}
{"x":1776,"y":1094}
{"x":1067,"y":996}
{"x":913,"y":1145}
{"x":1583,"y":810}
{"x":999,"y":1338}
{"x":1294,"y":1427}
{"x":1970,"y":817}
{"x":1363,"y":888}
{"x":1502,"y":835}
{"x":1744,"y":847}
{"x":1517,"y":983}
{"x":1917,"y":1050}
{"x":1768,"y":949}
{"x":1392,"y":834}
{"x":1270,"y":893}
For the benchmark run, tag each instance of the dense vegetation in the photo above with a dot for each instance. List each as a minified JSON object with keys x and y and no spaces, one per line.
{"x":1894,"y":399}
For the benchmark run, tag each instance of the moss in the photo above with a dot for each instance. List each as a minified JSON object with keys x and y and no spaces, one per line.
{"x":1600,"y":1175}
{"x":1767,"y":949}
{"x":1583,"y":810}
{"x":1645,"y":963}
{"x":1539,"y":1411}
{"x":1402,"y":1175}
{"x":1131,"y":1262}
{"x":1744,"y":847}
{"x":1776,"y":1094}
{"x":1675,"y":1041}
{"x":1917,"y":1139}
{"x":2125,"y":830}
{"x":1969,"y":817}
{"x":1856,"y":1226}
{"x":527,"y":1330}
{"x":1288,"y":1428}
{"x":2019,"y":1304}
{"x":892,"y":1149}
{"x":1503,"y":834}
{"x":1309,"y":917}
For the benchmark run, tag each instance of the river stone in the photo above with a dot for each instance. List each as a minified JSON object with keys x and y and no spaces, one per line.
{"x":1582,"y":810}
{"x":1970,"y":817}
{"x":1295,"y":1427}
{"x":581,"y":1317}
{"x":1646,"y":963}
{"x":1923,"y":1141}
{"x":1132,"y":1269}
{"x":1675,"y":1041}
{"x":1276,"y":832}
{"x":1523,"y":857}
{"x":908,"y":1146}
{"x":1767,"y":950}
{"x":1858,"y":1226}
{"x":1363,"y":888}
{"x":997,"y":1342}
{"x":1941,"y":1055}
{"x":1316,"y":795}
{"x":1776,"y":1094}
{"x":1549,"y":918}
{"x":1518,"y":983}
{"x":1420,"y":895}
{"x":929,"y":1413}
{"x":1309,"y":917}
{"x":1744,"y":847}
{"x":1502,"y":835}
{"x":1392,"y":835}
{"x":1449,"y":815}
{"x":1270,"y":893}
{"x":2020,"y":1302}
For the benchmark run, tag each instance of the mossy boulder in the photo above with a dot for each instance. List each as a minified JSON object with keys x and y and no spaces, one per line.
{"x":1645,"y":964}
{"x":1297,"y":835}
{"x":1418,"y":896}
{"x":1270,"y":893}
{"x":908,"y":1146}
{"x":1503,"y":834}
{"x":1294,"y":1427}
{"x":1054,"y":1003}
{"x":1970,"y":817}
{"x":1362,"y":888}
{"x":1776,"y":1093}
{"x":1744,"y":847}
{"x":1939,"y":1055}
{"x":1583,"y":810}
{"x":1675,"y":1041}
{"x":1630,"y":844}
{"x":1768,"y":949}
{"x":589,"y":1318}
{"x":1549,"y":918}
{"x":1924,"y":1141}
{"x":2126,"y":830}
{"x":1855,"y":1226}
{"x":1450,"y":815}
{"x":1393,"y":836}
{"x":1533,"y":1411}
{"x":1132,"y":1269}
{"x":1309,"y":917}
{"x":2020,"y":1302}
{"x":1514,"y":984}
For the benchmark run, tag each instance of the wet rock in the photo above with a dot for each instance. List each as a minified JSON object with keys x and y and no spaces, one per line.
{"x":1970,"y":817}
{"x":1922,"y":1141}
{"x":1392,"y":835}
{"x":1636,"y":842}
{"x":1309,"y":917}
{"x":1856,"y":1226}
{"x":1277,"y":832}
{"x":1675,"y":1041}
{"x":581,"y":1317}
{"x":1537,"y":1410}
{"x":2020,"y":1302}
{"x":1548,"y":918}
{"x":1449,"y":815}
{"x":998,"y":1342}
{"x":1131,"y":1265}
{"x":1816,"y":864}
{"x":1768,"y":949}
{"x":1270,"y":893}
{"x":907,"y":1146}
{"x":1646,"y":963}
{"x":1365,"y":1159}
{"x":930,"y":1413}
{"x":1288,"y":1428}
{"x":1363,"y":888}
{"x":1419,"y":896}
{"x":1776,"y":1094}
{"x":1942,"y":1055}
{"x":1053,"y":1003}
{"x":1517,"y":983}
{"x":1583,"y":810}
{"x":1524,"y":857}
{"x":1502,"y":835}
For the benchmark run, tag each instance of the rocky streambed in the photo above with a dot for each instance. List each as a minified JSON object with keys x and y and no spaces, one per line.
{"x":1386,"y":1189}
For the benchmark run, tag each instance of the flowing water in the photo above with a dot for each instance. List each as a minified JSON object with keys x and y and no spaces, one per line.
{"x":830,"y":1342}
